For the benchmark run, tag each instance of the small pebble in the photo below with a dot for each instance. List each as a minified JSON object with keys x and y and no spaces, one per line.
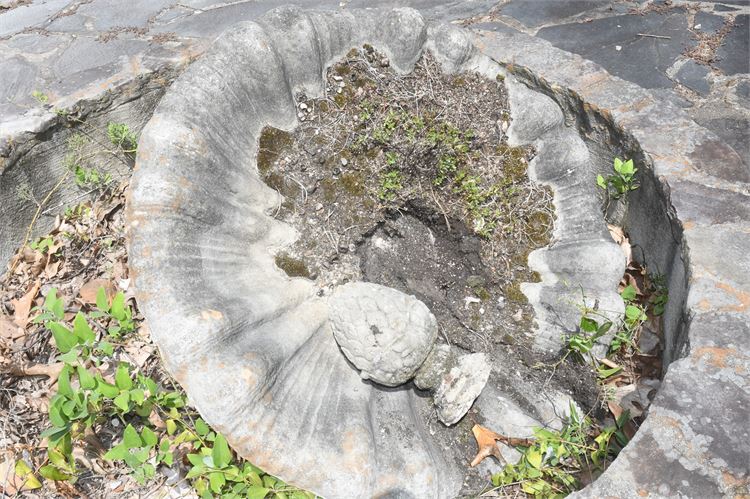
{"x":318,"y":206}
{"x":337,"y":171}
{"x":337,"y":78}
{"x":344,"y":162}
{"x":302,"y":106}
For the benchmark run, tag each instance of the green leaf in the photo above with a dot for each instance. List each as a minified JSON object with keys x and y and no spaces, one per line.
{"x":22,"y":470}
{"x":221,"y":454}
{"x":107,"y":390}
{"x":54,"y":304}
{"x":130,"y":438}
{"x":64,"y":338}
{"x":534,"y":458}
{"x":601,"y":182}
{"x":201,"y":427}
{"x":148,"y":437}
{"x":122,"y":401}
{"x":633,"y":313}
{"x":106,"y":348}
{"x":217,"y":481}
{"x":118,"y":306}
{"x":51,"y":473}
{"x":117,"y":453}
{"x":171,"y":427}
{"x":257,"y":492}
{"x":85,"y":378}
{"x":628,"y":294}
{"x":102,"y":303}
{"x":137,"y":395}
{"x":63,"y":382}
{"x":589,"y":325}
{"x":82,"y":330}
{"x":122,"y":377}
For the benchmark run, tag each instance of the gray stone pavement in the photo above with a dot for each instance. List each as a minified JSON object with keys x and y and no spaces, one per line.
{"x":692,"y":53}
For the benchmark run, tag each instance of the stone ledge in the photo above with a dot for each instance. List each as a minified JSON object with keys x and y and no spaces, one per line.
{"x":694,"y":441}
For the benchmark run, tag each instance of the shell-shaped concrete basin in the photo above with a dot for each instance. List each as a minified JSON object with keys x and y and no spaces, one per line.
{"x":253,"y":348}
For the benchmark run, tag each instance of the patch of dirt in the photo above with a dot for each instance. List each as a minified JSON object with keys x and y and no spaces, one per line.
{"x":408,"y":181}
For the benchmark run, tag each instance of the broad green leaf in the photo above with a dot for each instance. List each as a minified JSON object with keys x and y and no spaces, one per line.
{"x":106,"y":348}
{"x":63,"y":383}
{"x":628,"y":294}
{"x":102,"y":303}
{"x":118,"y":306}
{"x":589,"y":325}
{"x":122,"y":377}
{"x":54,"y":304}
{"x":122,"y":401}
{"x":85,"y":378}
{"x":534,"y":457}
{"x":106,"y":389}
{"x":171,"y":427}
{"x":633,"y":313}
{"x":82,"y":330}
{"x":117,"y":453}
{"x":601,"y":182}
{"x":142,"y":454}
{"x":65,"y":340}
{"x":257,"y":492}
{"x":217,"y":481}
{"x":137,"y":395}
{"x":618,"y":165}
{"x":22,"y":470}
{"x":221,"y":454}
{"x":148,"y":437}
{"x":51,"y":473}
{"x":201,"y":427}
{"x":130,"y":438}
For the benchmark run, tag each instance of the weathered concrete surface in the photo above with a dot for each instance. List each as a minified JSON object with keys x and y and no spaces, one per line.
{"x":77,"y":52}
{"x":688,"y":445}
{"x":196,"y":197}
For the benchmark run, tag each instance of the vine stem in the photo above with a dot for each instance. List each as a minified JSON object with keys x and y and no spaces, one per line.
{"x":38,"y":212}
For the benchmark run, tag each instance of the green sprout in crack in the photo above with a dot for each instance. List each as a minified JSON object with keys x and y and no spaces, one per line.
{"x":40,"y":97}
{"x":621,"y":182}
{"x":122,"y":137}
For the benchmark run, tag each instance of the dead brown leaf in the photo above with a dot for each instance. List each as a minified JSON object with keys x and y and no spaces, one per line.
{"x":616,"y":410}
{"x":486,"y":440}
{"x":22,"y":306}
{"x":9,"y":330}
{"x":619,"y":237}
{"x":88,"y":291}
{"x":50,"y":370}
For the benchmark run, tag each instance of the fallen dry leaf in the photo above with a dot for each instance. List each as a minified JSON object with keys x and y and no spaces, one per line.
{"x":619,"y":237}
{"x":50,"y":370}
{"x":486,"y":440}
{"x":487,"y":446}
{"x":616,"y":410}
{"x":52,"y":269}
{"x":88,"y":291}
{"x":22,"y":306}
{"x":9,"y":330}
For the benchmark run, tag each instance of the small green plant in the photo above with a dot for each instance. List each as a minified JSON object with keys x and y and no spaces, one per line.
{"x":43,"y":244}
{"x":40,"y":97}
{"x":85,"y":400}
{"x":390,"y":184}
{"x":548,"y":467}
{"x":120,"y":315}
{"x":659,"y":294}
{"x":589,"y":330}
{"x":122,"y":137}
{"x":635,"y":315}
{"x":621,"y":182}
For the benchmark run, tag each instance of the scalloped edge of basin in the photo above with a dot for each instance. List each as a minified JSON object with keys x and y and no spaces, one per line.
{"x":201,"y":249}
